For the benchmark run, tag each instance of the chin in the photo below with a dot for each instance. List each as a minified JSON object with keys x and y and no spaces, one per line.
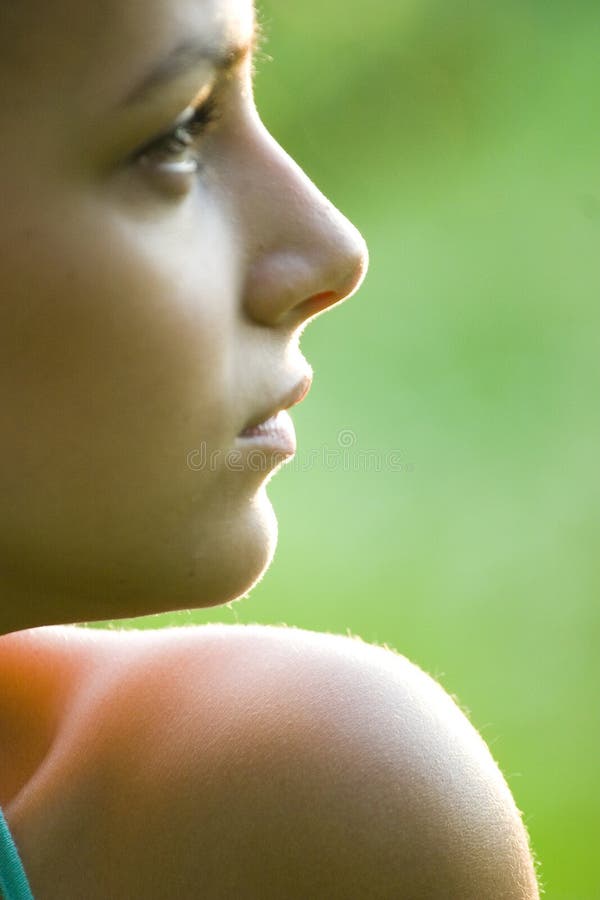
{"x":245,"y":554}
{"x":212,"y":568}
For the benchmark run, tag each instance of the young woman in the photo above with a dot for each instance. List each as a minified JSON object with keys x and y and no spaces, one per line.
{"x":160,"y":255}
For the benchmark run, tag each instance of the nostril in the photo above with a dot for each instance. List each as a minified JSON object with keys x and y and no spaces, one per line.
{"x":355,"y":270}
{"x":318,"y":303}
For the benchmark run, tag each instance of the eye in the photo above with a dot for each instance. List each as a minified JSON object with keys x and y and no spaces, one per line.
{"x":177,"y":151}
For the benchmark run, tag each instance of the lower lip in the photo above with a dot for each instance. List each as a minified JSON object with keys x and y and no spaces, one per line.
{"x":275,"y":436}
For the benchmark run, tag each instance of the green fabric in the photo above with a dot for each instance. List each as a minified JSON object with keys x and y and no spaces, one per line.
{"x":13,"y":880}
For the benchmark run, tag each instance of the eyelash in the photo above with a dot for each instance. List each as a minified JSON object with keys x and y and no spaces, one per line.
{"x":185,"y":135}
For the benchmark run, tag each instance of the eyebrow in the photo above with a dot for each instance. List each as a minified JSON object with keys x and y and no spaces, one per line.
{"x":188,"y":56}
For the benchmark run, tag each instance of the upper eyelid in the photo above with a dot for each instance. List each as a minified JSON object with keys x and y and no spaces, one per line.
{"x":183,"y":121}
{"x":212,"y":86}
{"x":163,"y":135}
{"x":218,"y":78}
{"x":207,"y":94}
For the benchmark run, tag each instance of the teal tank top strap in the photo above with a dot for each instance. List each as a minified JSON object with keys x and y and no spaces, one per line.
{"x":13,"y":880}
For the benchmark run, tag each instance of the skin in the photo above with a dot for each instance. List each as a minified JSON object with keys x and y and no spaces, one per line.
{"x":143,"y":317}
{"x":145,"y":314}
{"x":248,"y":762}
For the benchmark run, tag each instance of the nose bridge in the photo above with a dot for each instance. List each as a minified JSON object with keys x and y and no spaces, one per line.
{"x":303,"y":252}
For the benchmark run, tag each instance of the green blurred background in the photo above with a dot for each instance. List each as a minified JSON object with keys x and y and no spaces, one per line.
{"x":464,"y":141}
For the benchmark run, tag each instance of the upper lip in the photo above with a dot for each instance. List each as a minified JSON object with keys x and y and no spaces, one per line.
{"x":291,"y":398}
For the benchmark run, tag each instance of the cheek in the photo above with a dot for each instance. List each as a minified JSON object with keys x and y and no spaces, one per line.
{"x":116,"y":340}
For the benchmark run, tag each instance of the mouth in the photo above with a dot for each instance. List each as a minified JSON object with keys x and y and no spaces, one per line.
{"x":264,"y":420}
{"x":269,"y":437}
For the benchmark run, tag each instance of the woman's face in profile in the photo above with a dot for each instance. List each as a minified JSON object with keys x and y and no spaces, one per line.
{"x":160,"y":254}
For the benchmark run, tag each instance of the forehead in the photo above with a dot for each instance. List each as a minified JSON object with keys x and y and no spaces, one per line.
{"x":160,"y":23}
{"x":78,"y":46}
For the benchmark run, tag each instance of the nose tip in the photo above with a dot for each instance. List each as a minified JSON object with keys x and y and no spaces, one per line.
{"x":289,"y":288}
{"x":358,"y":266}
{"x":355,"y":271}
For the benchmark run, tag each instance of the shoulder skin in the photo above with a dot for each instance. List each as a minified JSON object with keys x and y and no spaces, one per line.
{"x":243,"y":762}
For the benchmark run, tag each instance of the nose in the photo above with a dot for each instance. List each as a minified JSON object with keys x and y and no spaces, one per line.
{"x":303,"y":255}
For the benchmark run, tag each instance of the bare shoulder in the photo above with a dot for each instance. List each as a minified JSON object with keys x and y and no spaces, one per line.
{"x":250,"y":761}
{"x":348,"y":772}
